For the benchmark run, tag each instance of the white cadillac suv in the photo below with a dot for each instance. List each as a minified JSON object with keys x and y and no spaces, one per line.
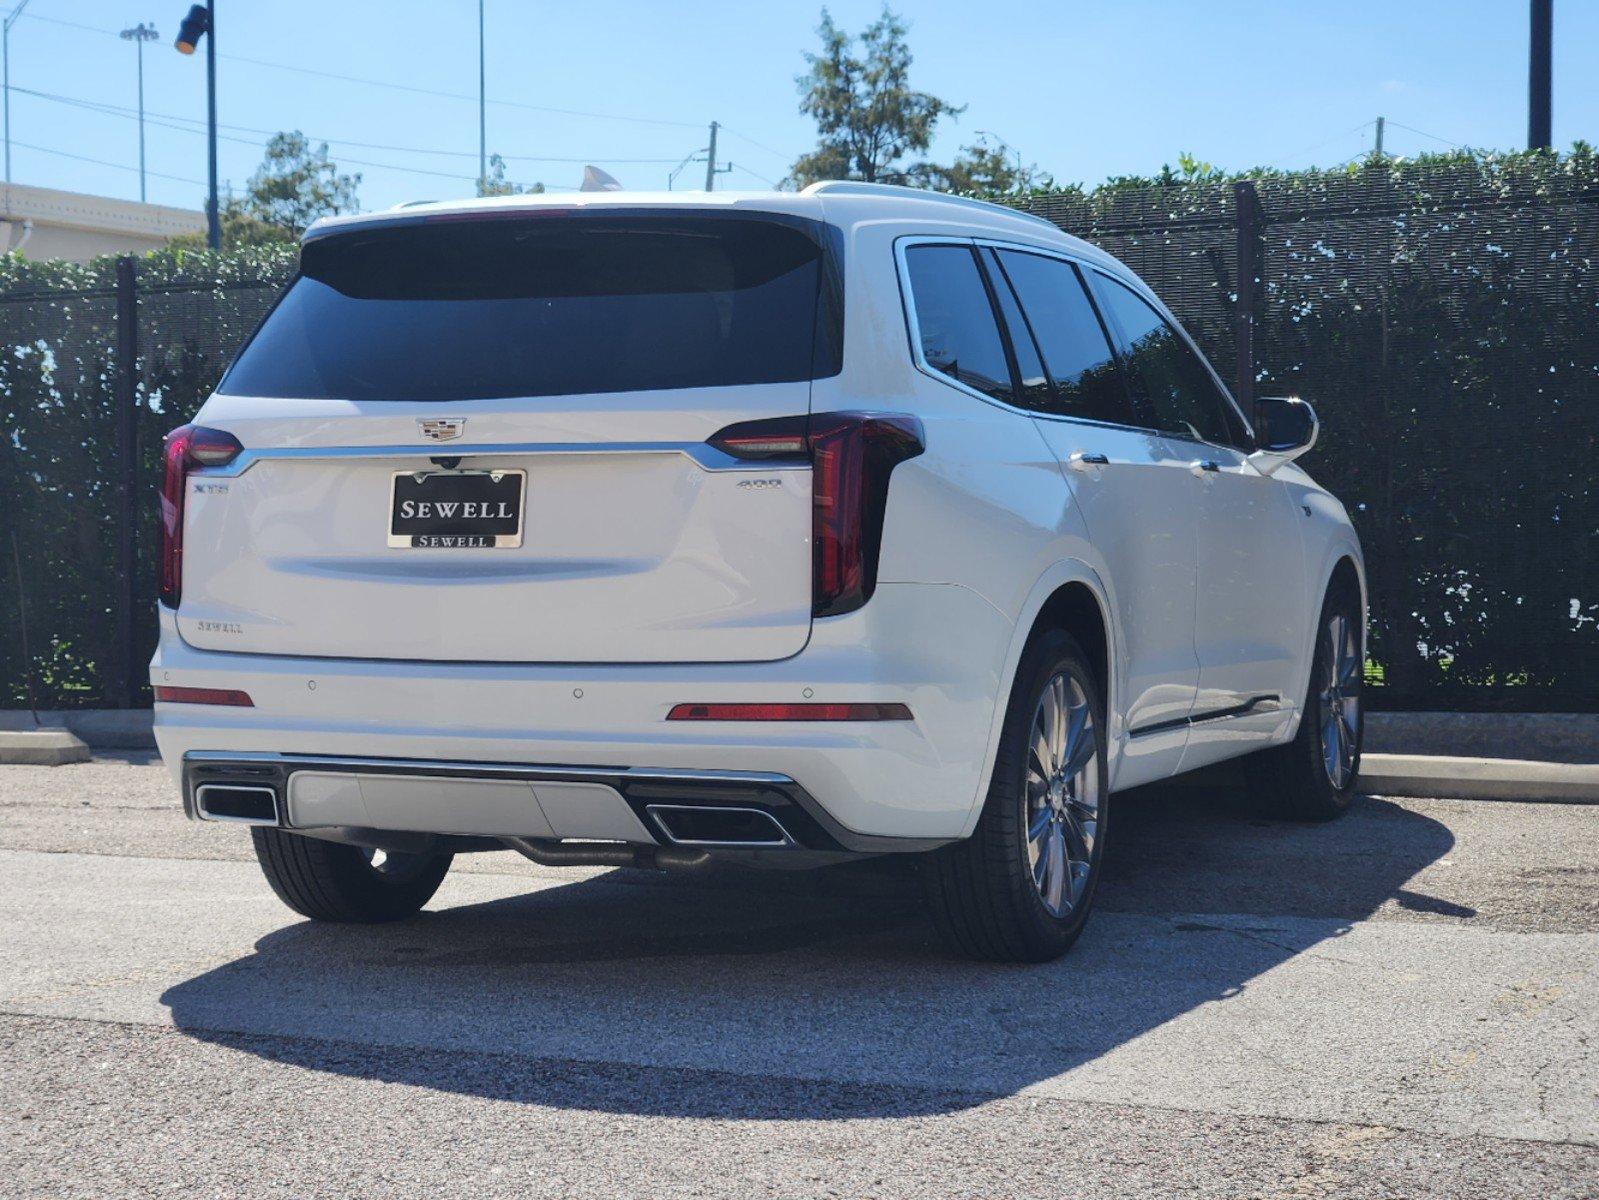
{"x":649,"y":529}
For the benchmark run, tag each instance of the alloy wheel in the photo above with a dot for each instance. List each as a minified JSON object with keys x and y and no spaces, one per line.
{"x":1340,"y":699}
{"x":1063,"y":794}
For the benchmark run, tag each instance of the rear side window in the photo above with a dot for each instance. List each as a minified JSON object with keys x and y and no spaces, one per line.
{"x":555,"y":304}
{"x":1077,"y":357}
{"x":955,"y":318}
{"x":1169,"y":377}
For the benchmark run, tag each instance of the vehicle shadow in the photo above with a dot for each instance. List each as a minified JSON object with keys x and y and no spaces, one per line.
{"x":732,"y":978}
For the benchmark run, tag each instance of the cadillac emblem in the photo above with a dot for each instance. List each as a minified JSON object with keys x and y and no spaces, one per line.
{"x":442,"y":429}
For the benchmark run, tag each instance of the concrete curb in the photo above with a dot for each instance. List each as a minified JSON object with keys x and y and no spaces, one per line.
{"x":1531,"y":737}
{"x":1452,"y":778}
{"x":41,"y":748}
{"x":101,"y":728}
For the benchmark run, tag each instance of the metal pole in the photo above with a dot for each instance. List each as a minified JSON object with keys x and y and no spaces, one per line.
{"x":710,"y":162}
{"x":1378,"y":153}
{"x":139,"y":35}
{"x":124,"y":678}
{"x":1539,"y":75}
{"x":140,"y":47}
{"x":482,"y":102}
{"x":5,"y":54}
{"x":213,"y":222}
{"x":1246,"y":206}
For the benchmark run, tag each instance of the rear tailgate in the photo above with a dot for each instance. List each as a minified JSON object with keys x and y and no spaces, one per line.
{"x":621,"y":535}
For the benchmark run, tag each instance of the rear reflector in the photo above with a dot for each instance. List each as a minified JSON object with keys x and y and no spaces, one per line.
{"x":789,"y":712}
{"x":194,"y":695}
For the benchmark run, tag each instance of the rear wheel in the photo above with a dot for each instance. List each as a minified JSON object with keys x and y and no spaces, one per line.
{"x":1020,"y":888}
{"x":330,"y":881}
{"x":1312,"y":778}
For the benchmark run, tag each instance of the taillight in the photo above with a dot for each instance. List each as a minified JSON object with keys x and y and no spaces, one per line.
{"x":186,"y":447}
{"x":852,"y":455}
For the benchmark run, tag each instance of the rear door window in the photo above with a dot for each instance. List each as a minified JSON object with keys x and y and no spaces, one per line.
{"x":1033,"y":389}
{"x":1170,"y":380}
{"x":955,"y":318}
{"x":546,"y":305}
{"x":1077,"y":356}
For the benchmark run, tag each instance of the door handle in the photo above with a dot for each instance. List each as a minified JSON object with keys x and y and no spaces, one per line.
{"x":1204,"y":466}
{"x":1084,"y":460}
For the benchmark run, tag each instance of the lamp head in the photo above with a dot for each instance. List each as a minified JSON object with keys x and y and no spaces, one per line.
{"x":194,"y":27}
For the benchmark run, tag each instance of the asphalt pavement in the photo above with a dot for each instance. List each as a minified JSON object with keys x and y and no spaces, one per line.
{"x":1403,"y":1003}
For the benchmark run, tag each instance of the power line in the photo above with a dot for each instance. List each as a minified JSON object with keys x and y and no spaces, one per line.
{"x":404,"y":87}
{"x":100,"y":162}
{"x":741,"y":167}
{"x":118,"y":110}
{"x":1425,"y":134}
{"x":1327,"y":141}
{"x":744,"y":137}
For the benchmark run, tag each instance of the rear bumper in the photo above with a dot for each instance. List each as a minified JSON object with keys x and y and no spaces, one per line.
{"x":499,"y":800}
{"x":865,"y":785}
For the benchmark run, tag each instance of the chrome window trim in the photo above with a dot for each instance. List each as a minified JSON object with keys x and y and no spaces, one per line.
{"x":1138,"y":288}
{"x":1144,"y":293}
{"x":914,"y":332}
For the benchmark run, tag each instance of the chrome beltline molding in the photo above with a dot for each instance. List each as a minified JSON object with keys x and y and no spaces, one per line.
{"x":706,"y":456}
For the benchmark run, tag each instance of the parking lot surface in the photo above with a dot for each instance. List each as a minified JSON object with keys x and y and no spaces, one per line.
{"x":1402,"y":1003}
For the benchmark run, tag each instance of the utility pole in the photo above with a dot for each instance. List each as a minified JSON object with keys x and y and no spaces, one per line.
{"x":5,"y":53}
{"x":710,"y":161}
{"x":139,"y":35}
{"x":482,"y":103}
{"x":1539,"y":73}
{"x":1377,"y":153}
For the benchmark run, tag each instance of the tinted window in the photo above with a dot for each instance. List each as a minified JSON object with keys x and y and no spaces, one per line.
{"x":544,"y":306}
{"x":956,"y":319}
{"x":1088,"y":383}
{"x":1033,"y":389}
{"x":1170,"y":378}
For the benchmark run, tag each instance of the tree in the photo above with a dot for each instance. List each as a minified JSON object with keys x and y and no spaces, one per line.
{"x":982,"y":168}
{"x":867,"y":115}
{"x":295,"y":184}
{"x":496,"y":184}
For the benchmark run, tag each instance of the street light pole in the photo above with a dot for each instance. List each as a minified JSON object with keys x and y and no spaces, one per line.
{"x":482,"y":104}
{"x":202,"y":20}
{"x":139,"y":35}
{"x":1539,"y":72}
{"x":5,"y":53}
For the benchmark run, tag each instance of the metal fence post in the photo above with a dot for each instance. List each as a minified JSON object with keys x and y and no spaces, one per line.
{"x":1246,"y":207}
{"x":124,"y":676}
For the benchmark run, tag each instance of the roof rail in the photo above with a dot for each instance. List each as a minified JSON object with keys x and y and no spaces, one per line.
{"x":852,"y":187}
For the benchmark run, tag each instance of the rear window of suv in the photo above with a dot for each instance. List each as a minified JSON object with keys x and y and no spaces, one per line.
{"x":546,"y":305}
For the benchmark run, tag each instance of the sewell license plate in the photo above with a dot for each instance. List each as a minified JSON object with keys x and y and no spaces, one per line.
{"x":457,"y":510}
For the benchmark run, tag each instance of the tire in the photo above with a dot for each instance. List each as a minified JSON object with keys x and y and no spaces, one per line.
{"x":330,"y":881}
{"x":1298,"y":781}
{"x":986,"y":892}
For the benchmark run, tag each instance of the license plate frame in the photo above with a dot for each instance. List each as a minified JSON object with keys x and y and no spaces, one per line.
{"x":489,"y":532}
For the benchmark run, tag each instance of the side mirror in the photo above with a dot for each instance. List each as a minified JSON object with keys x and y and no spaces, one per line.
{"x":1285,"y":427}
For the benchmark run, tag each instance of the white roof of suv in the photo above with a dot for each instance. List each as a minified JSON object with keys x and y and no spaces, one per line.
{"x":840,"y":202}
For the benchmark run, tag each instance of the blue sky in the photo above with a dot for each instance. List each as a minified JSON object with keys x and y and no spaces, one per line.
{"x":1085,"y":89}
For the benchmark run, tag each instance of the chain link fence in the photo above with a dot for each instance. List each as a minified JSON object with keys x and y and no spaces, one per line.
{"x":1443,"y":317}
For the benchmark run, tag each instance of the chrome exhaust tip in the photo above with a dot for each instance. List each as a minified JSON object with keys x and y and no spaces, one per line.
{"x":720,"y":826}
{"x":236,"y":803}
